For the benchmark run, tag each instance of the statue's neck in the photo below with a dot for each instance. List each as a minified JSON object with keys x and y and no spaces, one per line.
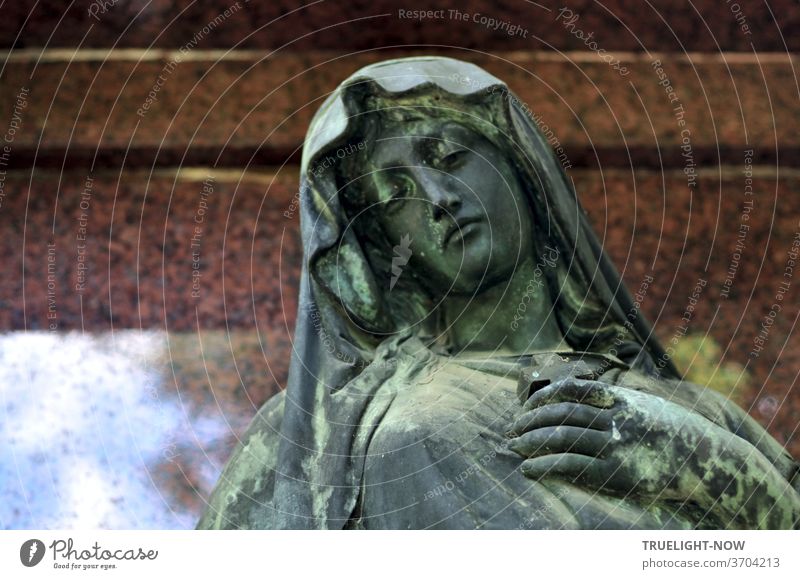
{"x":512,"y":317}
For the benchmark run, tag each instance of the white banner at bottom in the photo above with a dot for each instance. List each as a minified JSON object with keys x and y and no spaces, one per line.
{"x":419,"y":554}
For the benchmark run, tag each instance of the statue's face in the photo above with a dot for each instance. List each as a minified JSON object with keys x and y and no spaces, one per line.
{"x":452,"y":198}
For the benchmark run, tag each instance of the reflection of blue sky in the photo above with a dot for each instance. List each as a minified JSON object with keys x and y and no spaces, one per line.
{"x":85,"y":421}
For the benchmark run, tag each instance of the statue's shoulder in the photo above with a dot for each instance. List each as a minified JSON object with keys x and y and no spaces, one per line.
{"x":246,"y":484}
{"x":270,"y":414}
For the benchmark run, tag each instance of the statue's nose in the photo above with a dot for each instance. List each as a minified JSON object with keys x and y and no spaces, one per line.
{"x":445,"y":204}
{"x":439,"y":192}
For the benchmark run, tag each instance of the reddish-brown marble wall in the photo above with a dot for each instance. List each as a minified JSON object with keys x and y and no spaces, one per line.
{"x":245,"y":109}
{"x":669,"y":25}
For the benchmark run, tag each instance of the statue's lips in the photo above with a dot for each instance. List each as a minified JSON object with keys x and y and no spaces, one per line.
{"x":460,"y":229}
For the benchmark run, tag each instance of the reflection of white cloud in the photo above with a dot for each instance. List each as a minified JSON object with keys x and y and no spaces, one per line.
{"x":88,"y":494}
{"x":83,"y":422}
{"x":207,"y":430}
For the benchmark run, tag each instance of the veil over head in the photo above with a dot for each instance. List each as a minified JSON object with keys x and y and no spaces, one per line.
{"x":343,"y":323}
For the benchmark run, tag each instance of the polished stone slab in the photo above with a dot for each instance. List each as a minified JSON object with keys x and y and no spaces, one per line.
{"x":123,"y":430}
{"x":86,"y":109}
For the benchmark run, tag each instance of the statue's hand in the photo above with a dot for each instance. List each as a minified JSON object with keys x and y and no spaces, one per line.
{"x":638,"y":444}
{"x":613,"y":438}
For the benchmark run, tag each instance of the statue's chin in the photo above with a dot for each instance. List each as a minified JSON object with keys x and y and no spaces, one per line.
{"x":479,"y":271}
{"x":472,"y":285}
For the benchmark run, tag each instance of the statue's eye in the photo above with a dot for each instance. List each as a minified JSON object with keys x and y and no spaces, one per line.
{"x":453,"y":159}
{"x":400,"y":187}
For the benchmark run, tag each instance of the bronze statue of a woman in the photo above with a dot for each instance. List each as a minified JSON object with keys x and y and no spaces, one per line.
{"x":466,"y":355}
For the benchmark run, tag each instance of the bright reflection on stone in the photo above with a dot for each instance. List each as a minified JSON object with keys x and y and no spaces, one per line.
{"x":92,"y":434}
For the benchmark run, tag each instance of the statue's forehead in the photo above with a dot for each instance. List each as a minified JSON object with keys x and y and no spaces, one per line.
{"x":427,"y":128}
{"x":421,"y":136}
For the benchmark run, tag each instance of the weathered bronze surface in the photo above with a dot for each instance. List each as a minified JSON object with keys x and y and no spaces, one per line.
{"x":465,"y":355}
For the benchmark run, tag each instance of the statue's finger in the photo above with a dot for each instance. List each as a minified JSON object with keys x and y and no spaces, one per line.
{"x":566,"y":413}
{"x":579,"y":468}
{"x":560,"y":439}
{"x":572,"y":390}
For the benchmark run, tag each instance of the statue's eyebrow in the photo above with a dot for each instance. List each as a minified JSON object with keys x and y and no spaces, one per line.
{"x":392,"y":163}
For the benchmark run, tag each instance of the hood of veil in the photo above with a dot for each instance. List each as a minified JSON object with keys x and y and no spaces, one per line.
{"x":342,"y":319}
